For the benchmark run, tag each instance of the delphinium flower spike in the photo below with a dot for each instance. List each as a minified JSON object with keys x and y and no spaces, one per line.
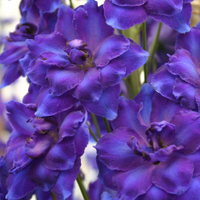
{"x":81,"y":61}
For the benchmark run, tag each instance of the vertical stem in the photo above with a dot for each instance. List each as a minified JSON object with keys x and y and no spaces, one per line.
{"x":93,"y":135}
{"x":144,"y":36}
{"x":53,"y":196}
{"x":82,"y":188}
{"x":71,"y":4}
{"x":94,"y":119}
{"x":154,"y":46}
{"x":107,"y":125}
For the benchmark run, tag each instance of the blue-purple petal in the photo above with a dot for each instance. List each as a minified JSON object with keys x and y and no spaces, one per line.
{"x":122,"y":17}
{"x":107,"y":105}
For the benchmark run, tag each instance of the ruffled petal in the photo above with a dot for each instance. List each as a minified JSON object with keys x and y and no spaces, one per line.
{"x":169,"y":109}
{"x":185,"y":94}
{"x":111,"y":48}
{"x":107,"y":105}
{"x":48,"y":104}
{"x":65,"y":17}
{"x":187,"y":131}
{"x":38,"y":145}
{"x":90,"y":89}
{"x":183,"y":64}
{"x":48,"y":5}
{"x":62,"y":156}
{"x":112,"y":73}
{"x":19,"y":185}
{"x":128,"y":2}
{"x":145,"y":97}
{"x":13,"y":52}
{"x":132,"y":183}
{"x":19,"y":116}
{"x":174,"y":176}
{"x":90,"y":23}
{"x":127,"y":116}
{"x":191,"y":42}
{"x":163,"y":82}
{"x":62,"y":80}
{"x":156,"y":193}
{"x":12,"y":73}
{"x":180,"y":21}
{"x":63,"y":188}
{"x":70,"y":124}
{"x":54,"y":42}
{"x":165,"y":7}
{"x":195,"y":159}
{"x":119,"y":156}
{"x":121,"y":17}
{"x":42,"y":176}
{"x":192,"y":192}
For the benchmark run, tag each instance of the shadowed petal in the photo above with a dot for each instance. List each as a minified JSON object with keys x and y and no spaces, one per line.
{"x":191,"y":42}
{"x":134,"y":182}
{"x":111,"y":48}
{"x":174,"y":175}
{"x":187,"y":131}
{"x":65,"y":182}
{"x":164,"y":7}
{"x":18,"y":116}
{"x":107,"y":105}
{"x":119,"y":156}
{"x":180,"y":22}
{"x":122,"y":17}
{"x":163,"y":82}
{"x":62,"y":80}
{"x":42,"y":176}
{"x":19,"y":185}
{"x":62,"y":156}
{"x":90,"y":89}
{"x":48,"y":104}
{"x":183,"y":64}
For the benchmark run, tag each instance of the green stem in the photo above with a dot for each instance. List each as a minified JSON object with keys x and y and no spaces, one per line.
{"x":94,"y":119}
{"x":92,"y":134}
{"x":144,"y":36}
{"x":154,"y":47}
{"x":53,"y":196}
{"x":107,"y":125}
{"x":71,"y":4}
{"x":82,"y":188}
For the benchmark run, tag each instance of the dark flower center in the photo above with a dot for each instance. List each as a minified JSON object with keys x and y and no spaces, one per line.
{"x":79,"y":54}
{"x":23,"y":32}
{"x":157,"y":151}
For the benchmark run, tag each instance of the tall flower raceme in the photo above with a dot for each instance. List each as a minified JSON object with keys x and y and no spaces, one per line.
{"x":153,"y":151}
{"x":44,"y":153}
{"x":179,"y":79}
{"x":36,"y":17}
{"x":81,"y":61}
{"x":123,"y":14}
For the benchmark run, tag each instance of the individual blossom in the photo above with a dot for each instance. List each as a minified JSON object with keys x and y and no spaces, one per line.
{"x":44,"y":153}
{"x":153,"y":151}
{"x":123,"y":14}
{"x":36,"y":17}
{"x":81,"y":61}
{"x":179,"y":79}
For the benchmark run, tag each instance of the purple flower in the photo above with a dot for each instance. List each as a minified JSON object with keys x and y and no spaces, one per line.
{"x":123,"y":14}
{"x":153,"y":151}
{"x":179,"y":79}
{"x":81,"y":61}
{"x":33,"y":21}
{"x":44,"y":153}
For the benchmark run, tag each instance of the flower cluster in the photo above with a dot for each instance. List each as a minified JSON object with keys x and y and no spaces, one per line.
{"x":80,"y":65}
